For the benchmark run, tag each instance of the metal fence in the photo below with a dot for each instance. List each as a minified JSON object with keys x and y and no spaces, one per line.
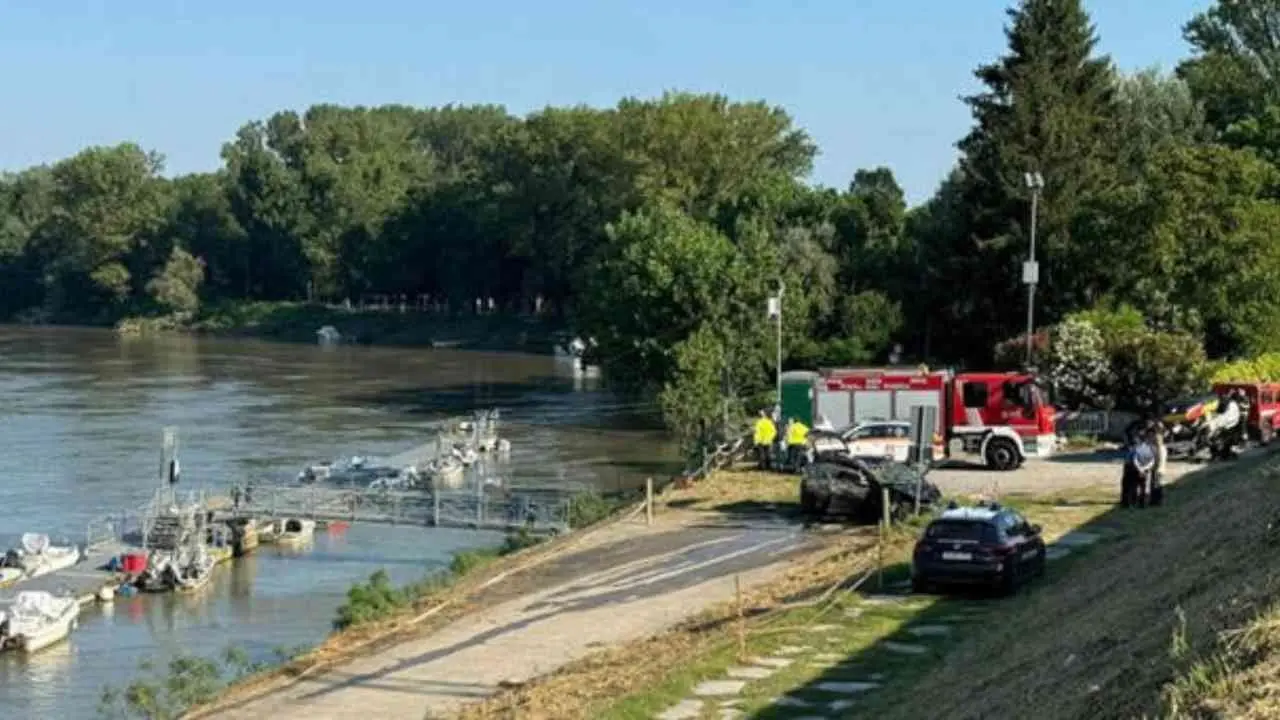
{"x":489,"y":507}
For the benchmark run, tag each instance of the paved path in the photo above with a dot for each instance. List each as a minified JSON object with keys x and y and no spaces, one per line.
{"x":629,"y":586}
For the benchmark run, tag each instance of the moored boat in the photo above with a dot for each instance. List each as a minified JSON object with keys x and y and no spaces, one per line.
{"x":157,"y":577}
{"x":38,"y":619}
{"x":194,"y":574}
{"x":38,"y":556}
{"x":296,"y":532}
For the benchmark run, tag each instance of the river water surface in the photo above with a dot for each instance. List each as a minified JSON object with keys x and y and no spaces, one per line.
{"x":81,"y":415}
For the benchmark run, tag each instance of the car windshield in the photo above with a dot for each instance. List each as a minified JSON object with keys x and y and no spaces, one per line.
{"x":956,"y":530}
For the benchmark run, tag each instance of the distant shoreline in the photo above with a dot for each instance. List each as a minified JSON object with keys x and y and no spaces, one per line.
{"x":299,"y":322}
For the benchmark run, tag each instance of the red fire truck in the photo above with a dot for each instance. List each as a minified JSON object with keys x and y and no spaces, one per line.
{"x":999,"y":419}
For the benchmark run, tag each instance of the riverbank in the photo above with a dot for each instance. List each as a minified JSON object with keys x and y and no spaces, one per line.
{"x":524,"y":616}
{"x":298,"y":322}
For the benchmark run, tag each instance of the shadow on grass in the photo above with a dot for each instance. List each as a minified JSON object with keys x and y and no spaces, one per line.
{"x":949,"y":655}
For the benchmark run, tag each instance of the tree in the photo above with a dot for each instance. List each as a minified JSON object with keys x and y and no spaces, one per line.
{"x":109,"y":203}
{"x":1235,"y":68}
{"x":176,"y":286}
{"x":1154,"y":110}
{"x":1048,"y":107}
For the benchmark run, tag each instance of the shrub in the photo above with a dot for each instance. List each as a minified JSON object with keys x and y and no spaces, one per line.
{"x":370,"y":601}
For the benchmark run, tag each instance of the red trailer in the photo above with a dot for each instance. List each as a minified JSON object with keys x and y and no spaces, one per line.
{"x":999,"y":419}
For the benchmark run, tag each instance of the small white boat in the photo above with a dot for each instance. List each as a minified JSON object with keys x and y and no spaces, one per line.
{"x":38,"y":557}
{"x":466,"y":456}
{"x":296,"y":532}
{"x":38,"y":619}
{"x":448,"y":472}
{"x":193,"y":574}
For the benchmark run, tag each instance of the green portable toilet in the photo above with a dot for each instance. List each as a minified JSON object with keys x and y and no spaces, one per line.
{"x":797,"y":395}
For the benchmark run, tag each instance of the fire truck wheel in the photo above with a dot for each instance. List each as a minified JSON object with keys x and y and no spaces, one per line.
{"x":1002,"y":454}
{"x":1265,"y":434}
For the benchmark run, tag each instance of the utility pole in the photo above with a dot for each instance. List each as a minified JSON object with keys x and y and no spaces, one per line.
{"x":1031,"y":269}
{"x":775,"y":311}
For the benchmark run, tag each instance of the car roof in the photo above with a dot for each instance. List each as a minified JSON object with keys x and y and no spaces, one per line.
{"x":979,"y":514}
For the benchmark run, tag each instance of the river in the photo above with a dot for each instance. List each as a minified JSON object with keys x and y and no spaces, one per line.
{"x":83,"y":412}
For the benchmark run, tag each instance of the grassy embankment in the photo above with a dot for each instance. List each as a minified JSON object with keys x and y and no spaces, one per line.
{"x":298,"y":322}
{"x":1172,"y":613}
{"x":376,"y":614}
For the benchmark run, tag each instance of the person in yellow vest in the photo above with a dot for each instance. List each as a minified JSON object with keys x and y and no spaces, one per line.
{"x":797,"y":436}
{"x":765,"y":433}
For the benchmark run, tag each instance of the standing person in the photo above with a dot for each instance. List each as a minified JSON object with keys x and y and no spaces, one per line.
{"x":1138,"y":463}
{"x":765,"y":433}
{"x":1162,"y":459}
{"x":797,"y":436}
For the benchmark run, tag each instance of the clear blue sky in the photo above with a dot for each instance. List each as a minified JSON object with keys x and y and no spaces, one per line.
{"x":874,"y":81}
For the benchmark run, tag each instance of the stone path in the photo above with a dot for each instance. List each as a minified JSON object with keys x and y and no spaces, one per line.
{"x":720,"y":698}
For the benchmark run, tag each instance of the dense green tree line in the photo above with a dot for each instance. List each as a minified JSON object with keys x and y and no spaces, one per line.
{"x":659,"y":227}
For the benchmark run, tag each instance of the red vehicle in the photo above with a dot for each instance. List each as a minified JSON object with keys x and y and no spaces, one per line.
{"x":999,"y":419}
{"x":1264,"y":407}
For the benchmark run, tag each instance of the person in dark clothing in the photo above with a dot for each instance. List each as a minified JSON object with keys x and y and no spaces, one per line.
{"x":1139,"y":462}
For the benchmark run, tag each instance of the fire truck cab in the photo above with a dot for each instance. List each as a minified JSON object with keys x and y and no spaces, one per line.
{"x":997,"y":419}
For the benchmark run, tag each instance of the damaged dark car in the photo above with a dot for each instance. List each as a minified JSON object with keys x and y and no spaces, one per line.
{"x":836,"y":485}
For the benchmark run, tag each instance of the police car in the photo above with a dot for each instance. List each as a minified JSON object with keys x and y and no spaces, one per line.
{"x":986,"y":545}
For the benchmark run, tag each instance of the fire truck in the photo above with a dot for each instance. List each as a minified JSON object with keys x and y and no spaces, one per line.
{"x":997,"y":419}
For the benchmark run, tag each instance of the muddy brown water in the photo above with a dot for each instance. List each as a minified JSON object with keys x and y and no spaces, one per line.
{"x":81,"y":413}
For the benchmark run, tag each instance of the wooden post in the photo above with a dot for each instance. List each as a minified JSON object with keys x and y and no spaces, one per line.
{"x":884,"y":531}
{"x":742,"y":627}
{"x":648,"y":501}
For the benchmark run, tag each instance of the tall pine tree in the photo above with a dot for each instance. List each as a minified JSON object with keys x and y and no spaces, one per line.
{"x":1048,"y":107}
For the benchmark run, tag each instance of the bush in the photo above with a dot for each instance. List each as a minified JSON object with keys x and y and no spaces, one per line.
{"x":1263,"y":368}
{"x":1077,"y":363}
{"x":371,"y":601}
{"x":1151,"y":367}
{"x":590,"y":507}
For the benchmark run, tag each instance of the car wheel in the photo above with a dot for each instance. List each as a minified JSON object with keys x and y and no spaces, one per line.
{"x":919,"y":585}
{"x":1002,"y":454}
{"x":808,"y":504}
{"x":1008,"y":582}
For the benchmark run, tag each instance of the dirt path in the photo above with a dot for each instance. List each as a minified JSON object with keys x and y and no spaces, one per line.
{"x":632,"y":582}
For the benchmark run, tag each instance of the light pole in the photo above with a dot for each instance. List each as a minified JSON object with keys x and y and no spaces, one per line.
{"x":1031,"y":269}
{"x":775,"y":312}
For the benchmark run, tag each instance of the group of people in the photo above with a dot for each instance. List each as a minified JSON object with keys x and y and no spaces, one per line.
{"x":1144,"y":465}
{"x":766,"y":442}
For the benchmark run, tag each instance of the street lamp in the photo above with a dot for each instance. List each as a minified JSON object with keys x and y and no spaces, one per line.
{"x":1031,"y":269}
{"x":775,"y":313}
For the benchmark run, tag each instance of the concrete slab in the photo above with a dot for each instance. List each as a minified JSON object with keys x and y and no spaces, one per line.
{"x":839,"y":705}
{"x":1056,"y":553}
{"x":683,"y":710}
{"x":929,"y":630}
{"x":772,"y":662}
{"x":905,"y":648}
{"x":792,"y":649}
{"x":750,"y":673}
{"x":716,"y":688}
{"x":846,"y":688}
{"x":788,"y":701}
{"x":1078,"y":538}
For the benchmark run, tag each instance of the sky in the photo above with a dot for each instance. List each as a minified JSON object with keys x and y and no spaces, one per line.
{"x":874,"y":82}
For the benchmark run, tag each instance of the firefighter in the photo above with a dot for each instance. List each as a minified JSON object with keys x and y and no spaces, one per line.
{"x":765,"y":433}
{"x":797,"y":436}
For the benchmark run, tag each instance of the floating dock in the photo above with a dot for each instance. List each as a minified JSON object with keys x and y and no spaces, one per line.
{"x":83,"y":581}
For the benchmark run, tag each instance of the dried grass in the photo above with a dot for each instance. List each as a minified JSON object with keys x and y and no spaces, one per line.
{"x":1135,"y":629}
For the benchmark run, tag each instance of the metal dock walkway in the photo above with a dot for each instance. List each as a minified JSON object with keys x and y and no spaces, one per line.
{"x":83,"y":581}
